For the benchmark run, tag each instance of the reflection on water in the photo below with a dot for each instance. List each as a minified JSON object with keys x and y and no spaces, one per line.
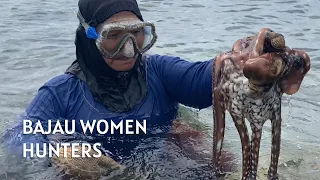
{"x":37,"y":39}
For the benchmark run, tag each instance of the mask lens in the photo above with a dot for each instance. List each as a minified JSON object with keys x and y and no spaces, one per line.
{"x":149,"y":37}
{"x":113,"y":40}
{"x":113,"y":37}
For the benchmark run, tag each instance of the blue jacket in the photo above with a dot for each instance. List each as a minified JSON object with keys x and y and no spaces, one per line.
{"x":170,"y":80}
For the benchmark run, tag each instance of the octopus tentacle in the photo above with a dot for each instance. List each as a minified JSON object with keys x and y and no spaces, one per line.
{"x":219,"y":125}
{"x":218,"y":115}
{"x":275,"y":149}
{"x":244,"y":137}
{"x":298,"y":63}
{"x":257,"y":44}
{"x":255,"y":147}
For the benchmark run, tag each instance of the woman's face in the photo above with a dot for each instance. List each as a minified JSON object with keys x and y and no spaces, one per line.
{"x":121,"y":63}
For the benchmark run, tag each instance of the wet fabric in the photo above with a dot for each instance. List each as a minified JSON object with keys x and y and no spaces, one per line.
{"x":170,"y":81}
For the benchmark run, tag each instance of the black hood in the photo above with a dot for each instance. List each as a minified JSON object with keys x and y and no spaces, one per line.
{"x":118,"y":91}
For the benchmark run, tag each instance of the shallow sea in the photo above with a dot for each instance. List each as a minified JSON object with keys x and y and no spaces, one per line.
{"x":37,"y":43}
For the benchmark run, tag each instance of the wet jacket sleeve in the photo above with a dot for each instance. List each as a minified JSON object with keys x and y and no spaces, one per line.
{"x":189,"y":83}
{"x":46,"y":105}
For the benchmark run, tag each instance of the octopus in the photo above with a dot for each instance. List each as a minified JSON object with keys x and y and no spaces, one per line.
{"x":84,"y":167}
{"x":248,"y":82}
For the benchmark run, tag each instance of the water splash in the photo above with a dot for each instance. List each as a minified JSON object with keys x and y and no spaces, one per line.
{"x":289,"y":97}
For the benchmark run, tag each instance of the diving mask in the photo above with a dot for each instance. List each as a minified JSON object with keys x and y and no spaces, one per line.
{"x":124,"y":38}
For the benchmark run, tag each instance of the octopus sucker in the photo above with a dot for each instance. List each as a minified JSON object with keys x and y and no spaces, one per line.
{"x":278,"y":42}
{"x":260,"y":69}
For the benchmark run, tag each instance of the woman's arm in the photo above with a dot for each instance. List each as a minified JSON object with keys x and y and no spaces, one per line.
{"x":189,"y":83}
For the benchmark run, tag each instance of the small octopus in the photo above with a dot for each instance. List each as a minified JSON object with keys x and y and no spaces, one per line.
{"x":249,"y":82}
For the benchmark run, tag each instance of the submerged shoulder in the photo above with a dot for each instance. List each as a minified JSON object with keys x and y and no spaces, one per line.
{"x":61,"y":80}
{"x":157,"y":58}
{"x":60,"y":88}
{"x":158,"y":62}
{"x":63,"y":84}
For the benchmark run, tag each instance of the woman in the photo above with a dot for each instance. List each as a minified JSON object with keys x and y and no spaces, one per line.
{"x":113,"y":79}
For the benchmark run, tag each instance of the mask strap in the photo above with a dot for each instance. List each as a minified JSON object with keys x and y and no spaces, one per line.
{"x":90,"y":31}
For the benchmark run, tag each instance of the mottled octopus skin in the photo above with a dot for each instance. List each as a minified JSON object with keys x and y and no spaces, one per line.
{"x":85,"y":167}
{"x":255,"y":98}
